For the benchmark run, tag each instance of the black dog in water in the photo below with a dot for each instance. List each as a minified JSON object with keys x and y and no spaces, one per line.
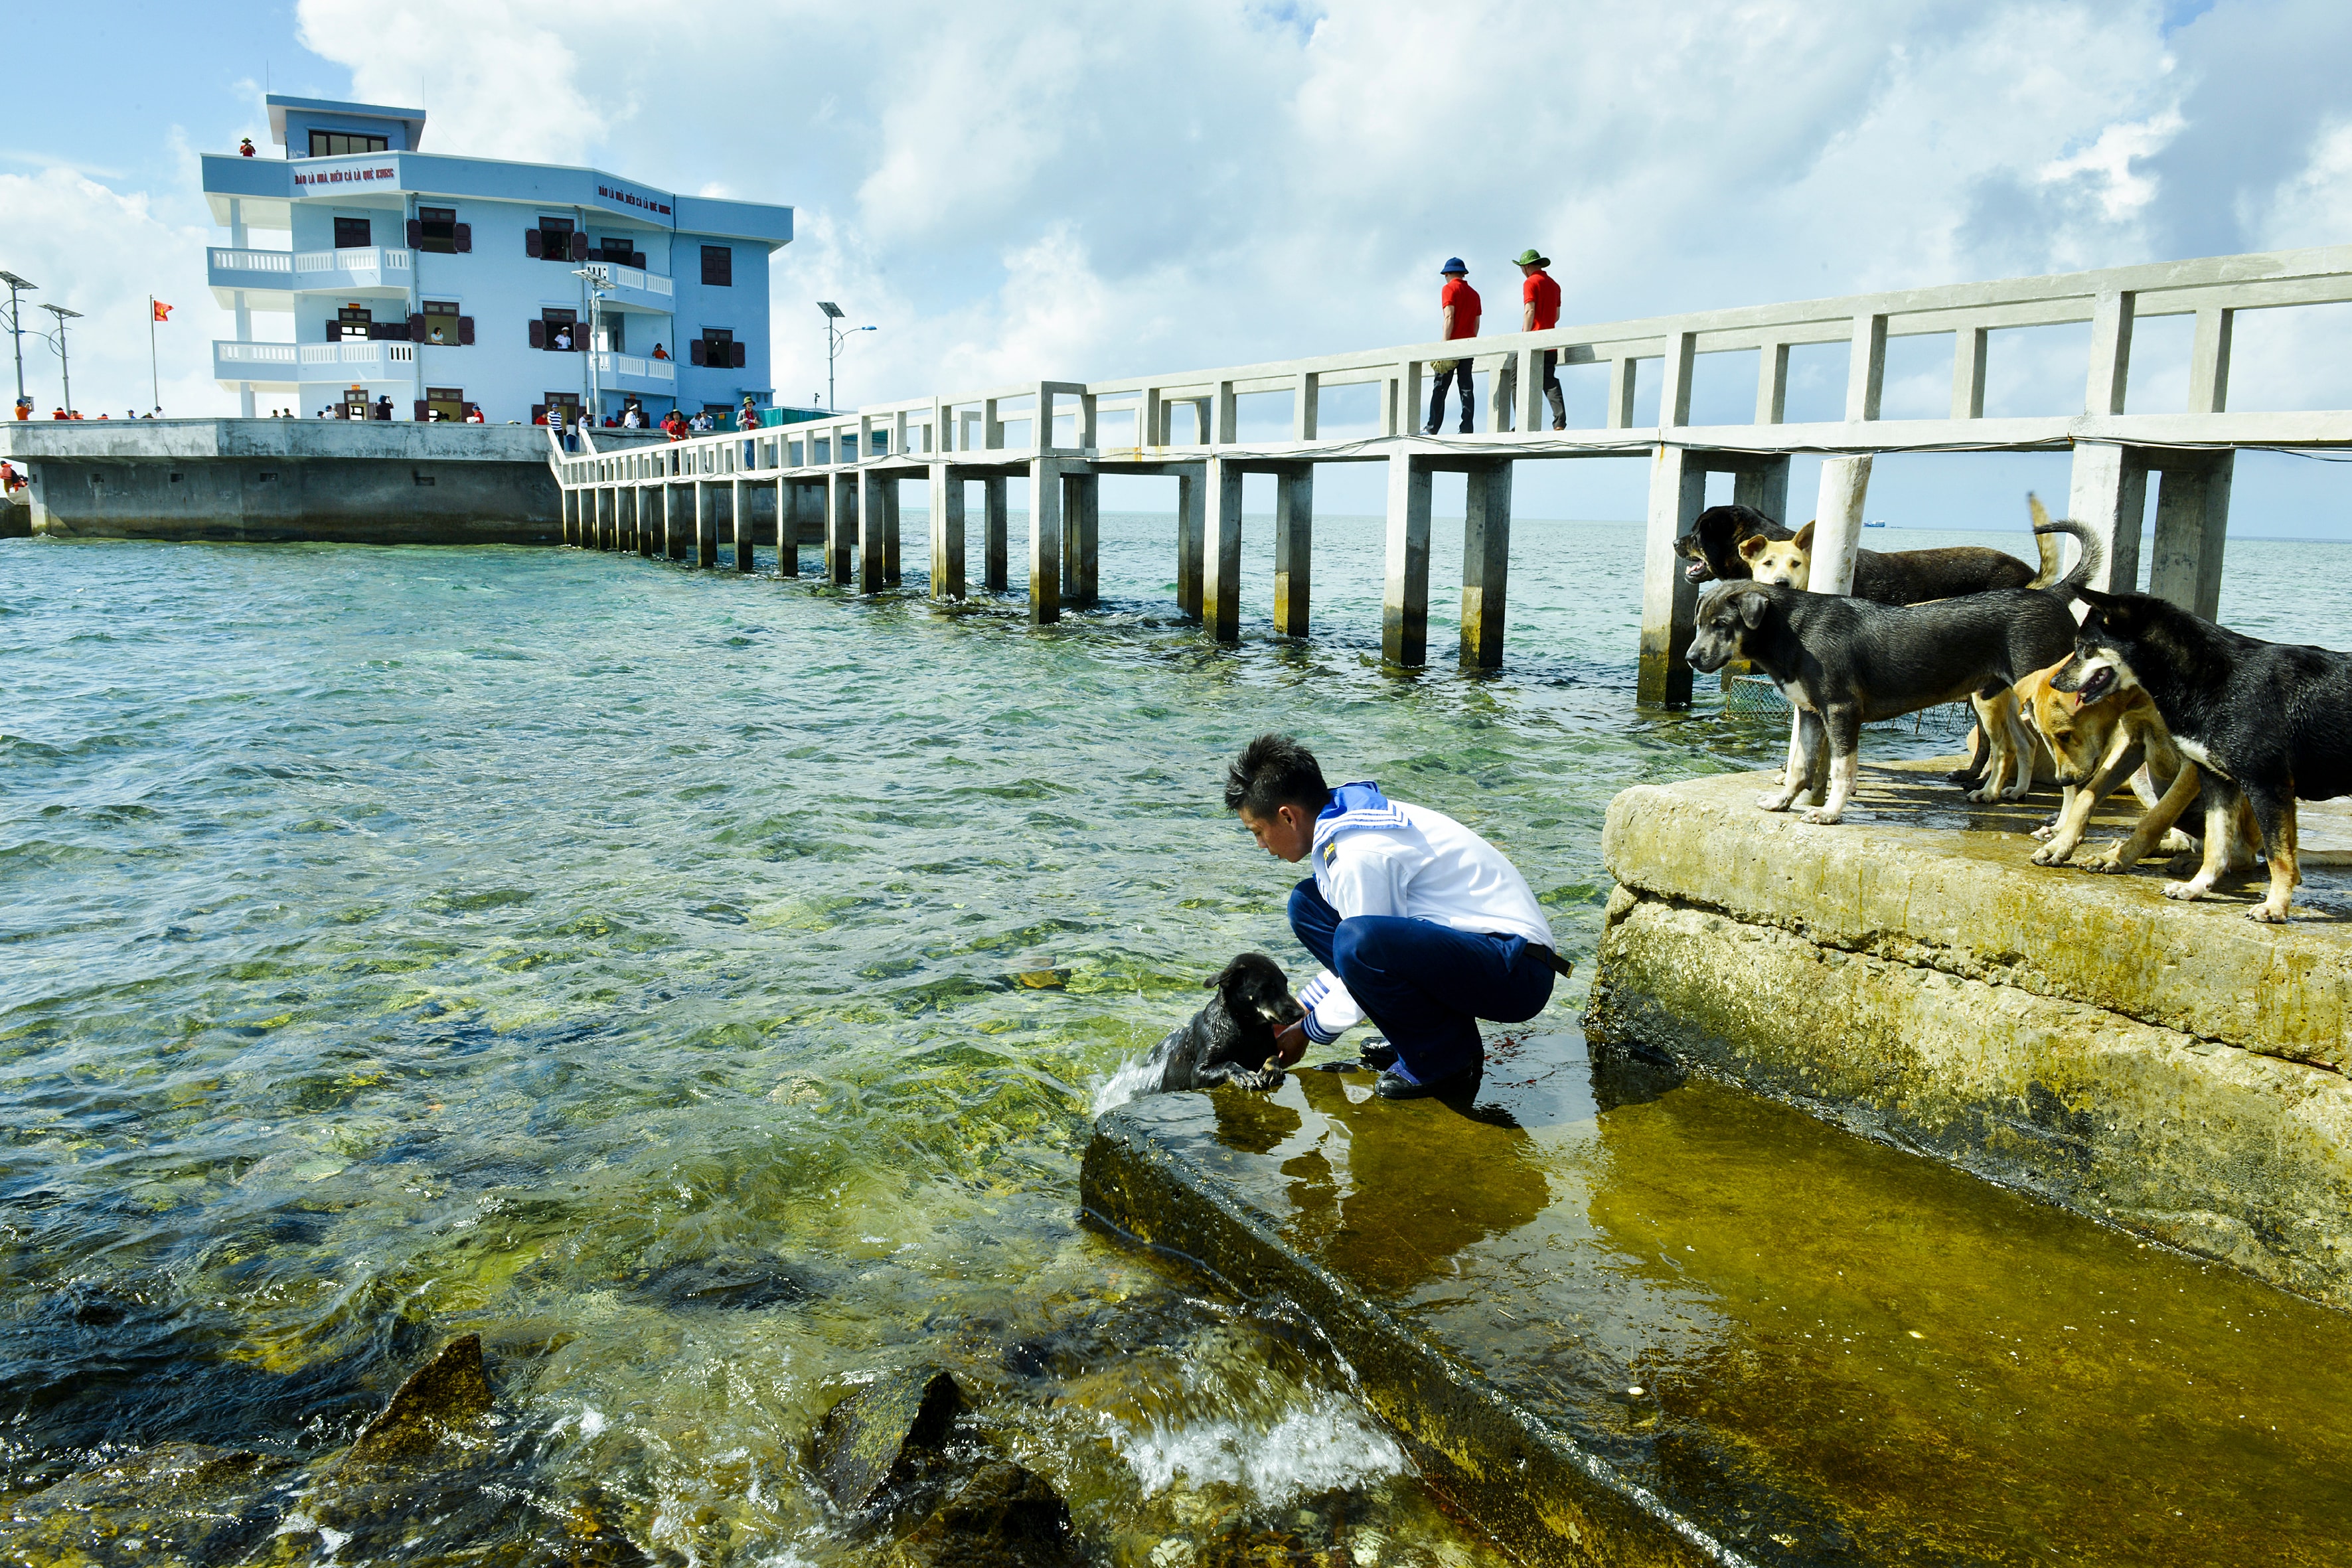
{"x":1229,"y":1040}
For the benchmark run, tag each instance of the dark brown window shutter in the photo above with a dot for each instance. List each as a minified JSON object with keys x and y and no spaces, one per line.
{"x":416,"y":328}
{"x":334,"y":331}
{"x":530,"y":242}
{"x":697,"y":353}
{"x":736,"y":355}
{"x":579,"y":247}
{"x":422,"y":410}
{"x":538,"y":333}
{"x":415,"y":234}
{"x":466,"y":329}
{"x":463,"y":236}
{"x":638,"y":259}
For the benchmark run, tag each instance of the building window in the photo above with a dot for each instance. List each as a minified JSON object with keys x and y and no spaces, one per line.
{"x":613,"y":325}
{"x":554,"y":239}
{"x":354,"y":233}
{"x":335,"y":144}
{"x":353,"y":324}
{"x":717,"y":348}
{"x":449,"y":402}
{"x":441,"y":322}
{"x":561,"y":328}
{"x":718,"y":265}
{"x":437,"y":230}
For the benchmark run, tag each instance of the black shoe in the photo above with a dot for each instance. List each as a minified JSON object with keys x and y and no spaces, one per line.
{"x":1463,"y":1084}
{"x":1429,"y":429}
{"x":1377,"y":1056}
{"x":1467,"y":431}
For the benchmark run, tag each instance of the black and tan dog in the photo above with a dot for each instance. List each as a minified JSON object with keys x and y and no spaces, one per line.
{"x":1843,"y":662}
{"x":1231,"y":1040}
{"x":1717,"y":549}
{"x":2268,"y":724}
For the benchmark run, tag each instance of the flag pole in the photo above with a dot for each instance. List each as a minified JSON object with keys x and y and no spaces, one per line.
{"x":154,"y":379}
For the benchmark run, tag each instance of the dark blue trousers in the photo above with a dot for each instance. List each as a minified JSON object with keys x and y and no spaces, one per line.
{"x":1425,"y":984}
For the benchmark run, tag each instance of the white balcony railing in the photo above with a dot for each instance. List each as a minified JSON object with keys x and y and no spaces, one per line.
{"x":308,"y":359}
{"x":637,"y":278}
{"x":609,"y":365}
{"x":225,"y":260}
{"x":368,"y":259}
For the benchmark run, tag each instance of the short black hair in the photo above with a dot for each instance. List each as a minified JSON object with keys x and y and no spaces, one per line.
{"x":1275,"y":771}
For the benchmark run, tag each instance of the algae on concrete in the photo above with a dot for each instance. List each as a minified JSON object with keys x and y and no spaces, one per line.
{"x":1726,"y":1332}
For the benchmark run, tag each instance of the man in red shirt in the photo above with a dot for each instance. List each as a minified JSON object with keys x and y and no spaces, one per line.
{"x":1539,"y":313}
{"x":1458,"y":303}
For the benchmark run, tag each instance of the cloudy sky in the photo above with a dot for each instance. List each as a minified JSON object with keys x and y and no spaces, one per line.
{"x":1022,"y":190}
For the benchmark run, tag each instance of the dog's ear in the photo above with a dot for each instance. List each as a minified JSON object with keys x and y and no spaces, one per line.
{"x":1225,"y":976}
{"x":1752,"y":546}
{"x":1752,"y":610}
{"x":1804,"y":540}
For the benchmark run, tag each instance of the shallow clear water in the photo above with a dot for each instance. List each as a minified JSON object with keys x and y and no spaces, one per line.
{"x":697,"y":984}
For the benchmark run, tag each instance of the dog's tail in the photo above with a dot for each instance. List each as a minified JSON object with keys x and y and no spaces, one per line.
{"x":2086,"y":565}
{"x":2046,"y":539}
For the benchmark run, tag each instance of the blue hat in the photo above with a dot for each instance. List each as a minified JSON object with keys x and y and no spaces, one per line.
{"x":1453,"y":264}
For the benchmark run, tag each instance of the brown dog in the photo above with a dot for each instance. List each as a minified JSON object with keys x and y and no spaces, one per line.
{"x":2097,"y":746}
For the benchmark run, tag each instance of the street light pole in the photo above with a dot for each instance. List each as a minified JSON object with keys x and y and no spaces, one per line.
{"x":65,"y":367}
{"x":599,"y":282}
{"x":16,"y":329}
{"x":833,"y":338}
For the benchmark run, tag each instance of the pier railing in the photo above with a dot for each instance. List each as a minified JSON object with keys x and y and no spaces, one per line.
{"x":1063,"y":435}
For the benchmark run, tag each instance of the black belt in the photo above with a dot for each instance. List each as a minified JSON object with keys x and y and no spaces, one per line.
{"x":1558,"y":966}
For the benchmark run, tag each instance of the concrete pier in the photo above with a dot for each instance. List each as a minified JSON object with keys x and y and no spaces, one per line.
{"x":2170,"y":1068}
{"x":1620,"y":1317}
{"x":352,"y":481}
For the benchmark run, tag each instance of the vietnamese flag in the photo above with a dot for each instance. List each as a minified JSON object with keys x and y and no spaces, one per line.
{"x":163,"y":311}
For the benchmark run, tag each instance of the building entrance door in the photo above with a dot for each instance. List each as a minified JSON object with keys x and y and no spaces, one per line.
{"x":449,"y":402}
{"x":356,"y":402}
{"x":351,"y":323}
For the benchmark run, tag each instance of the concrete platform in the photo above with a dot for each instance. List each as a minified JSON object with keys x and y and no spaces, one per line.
{"x":1618,"y":1318}
{"x":2170,"y":1068}
{"x":369,"y":482}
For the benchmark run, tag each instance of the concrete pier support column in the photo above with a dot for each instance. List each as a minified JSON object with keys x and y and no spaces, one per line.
{"x":738,"y":513}
{"x":676,"y":535}
{"x":2192,"y":516}
{"x":1081,"y":537}
{"x":2109,"y":495}
{"x":994,"y":526}
{"x":641,"y":538}
{"x":570,"y":523}
{"x":1677,"y":495}
{"x":706,"y":524}
{"x":1486,"y":565}
{"x":947,"y":532}
{"x":1221,"y":574}
{"x":1764,"y":486}
{"x":892,"y":570}
{"x":1837,"y":522}
{"x":1294,"y":547}
{"x":1189,"y":490}
{"x":788,"y":529}
{"x":873,"y":503}
{"x":1404,"y":593}
{"x":1045,"y":541}
{"x":840,"y":526}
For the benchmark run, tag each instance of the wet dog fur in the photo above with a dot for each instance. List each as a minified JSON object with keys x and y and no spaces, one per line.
{"x":1712,"y":551}
{"x":2269,"y":723}
{"x":1842,"y":662}
{"x":1231,"y":1040}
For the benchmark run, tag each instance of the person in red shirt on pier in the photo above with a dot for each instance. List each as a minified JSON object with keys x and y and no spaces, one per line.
{"x":1459,"y":304}
{"x":1539,"y":313}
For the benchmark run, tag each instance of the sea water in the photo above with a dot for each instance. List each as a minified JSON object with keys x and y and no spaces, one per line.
{"x":699,"y":984}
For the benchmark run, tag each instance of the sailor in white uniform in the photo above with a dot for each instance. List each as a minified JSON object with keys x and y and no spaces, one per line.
{"x":1421,"y":925}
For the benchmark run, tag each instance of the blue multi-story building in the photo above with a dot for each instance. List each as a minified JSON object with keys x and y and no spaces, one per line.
{"x":441,"y":282}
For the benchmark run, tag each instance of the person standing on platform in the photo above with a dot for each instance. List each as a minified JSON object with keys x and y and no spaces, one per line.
{"x":1458,"y":309}
{"x":1421,"y":925}
{"x":1539,"y":313}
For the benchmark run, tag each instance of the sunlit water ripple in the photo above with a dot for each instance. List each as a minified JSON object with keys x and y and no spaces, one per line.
{"x":404,"y":942}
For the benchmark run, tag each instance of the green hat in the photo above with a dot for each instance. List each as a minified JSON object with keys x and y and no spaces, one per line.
{"x":1530,"y":258}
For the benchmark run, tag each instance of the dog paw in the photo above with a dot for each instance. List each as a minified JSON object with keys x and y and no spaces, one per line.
{"x":2177,"y":843}
{"x":2050,"y":855}
{"x":1262,"y":1081}
{"x":1821,"y":814}
{"x":1775,"y":801}
{"x":1981,"y":796}
{"x":2183,"y":890}
{"x":2268,"y":914}
{"x":2044,"y":832}
{"x":2110,"y":861}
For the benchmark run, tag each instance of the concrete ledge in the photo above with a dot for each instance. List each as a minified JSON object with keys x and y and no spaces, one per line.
{"x":1157,"y":1172}
{"x":2167,"y":1067}
{"x":1918,"y":875}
